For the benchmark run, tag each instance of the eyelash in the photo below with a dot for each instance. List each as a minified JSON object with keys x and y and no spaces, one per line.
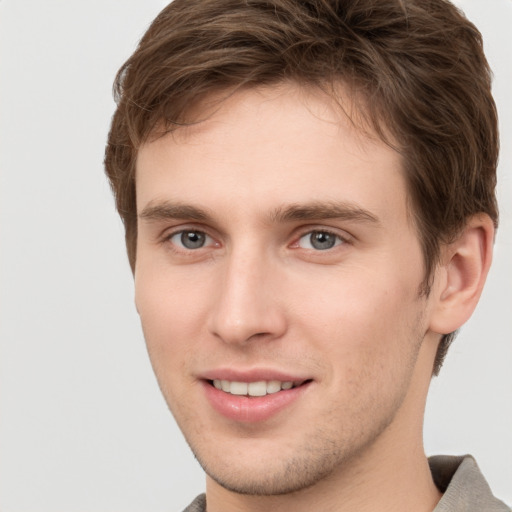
{"x":339,"y":239}
{"x":168,"y":238}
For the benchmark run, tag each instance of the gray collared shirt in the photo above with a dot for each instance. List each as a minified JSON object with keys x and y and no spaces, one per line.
{"x":463,"y":486}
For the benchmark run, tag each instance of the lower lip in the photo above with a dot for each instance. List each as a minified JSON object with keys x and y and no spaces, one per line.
{"x":251,"y":409}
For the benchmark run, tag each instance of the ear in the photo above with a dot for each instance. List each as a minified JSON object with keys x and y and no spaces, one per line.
{"x":461,"y":275}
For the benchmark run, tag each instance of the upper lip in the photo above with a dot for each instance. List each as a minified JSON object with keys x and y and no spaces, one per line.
{"x":252,"y":375}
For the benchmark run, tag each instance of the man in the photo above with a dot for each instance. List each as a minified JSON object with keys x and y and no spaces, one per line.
{"x":308,"y":195}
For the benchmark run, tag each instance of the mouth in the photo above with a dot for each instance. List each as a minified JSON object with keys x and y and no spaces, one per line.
{"x":255,"y":389}
{"x":254,"y":395}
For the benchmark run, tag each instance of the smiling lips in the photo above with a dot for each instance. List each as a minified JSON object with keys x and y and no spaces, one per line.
{"x":260,"y":388}
{"x":253,"y":401}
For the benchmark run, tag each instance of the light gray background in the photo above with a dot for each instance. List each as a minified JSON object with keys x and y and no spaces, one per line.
{"x":82,"y":426}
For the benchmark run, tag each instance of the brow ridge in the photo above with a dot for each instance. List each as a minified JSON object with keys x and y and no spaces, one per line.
{"x":318,"y":210}
{"x":167,"y":210}
{"x":323,"y":210}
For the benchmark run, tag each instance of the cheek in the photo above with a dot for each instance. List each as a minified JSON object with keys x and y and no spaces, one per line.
{"x":372,"y":342}
{"x":366,"y":322}
{"x":171,"y":318}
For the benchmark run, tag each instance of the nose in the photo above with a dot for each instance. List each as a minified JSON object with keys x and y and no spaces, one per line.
{"x":248,"y":303}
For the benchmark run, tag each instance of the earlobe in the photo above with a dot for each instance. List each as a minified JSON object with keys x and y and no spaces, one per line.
{"x":462,"y":274}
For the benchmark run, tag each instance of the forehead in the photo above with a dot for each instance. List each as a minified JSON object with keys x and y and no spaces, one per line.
{"x":282,"y":144}
{"x":283,"y":103}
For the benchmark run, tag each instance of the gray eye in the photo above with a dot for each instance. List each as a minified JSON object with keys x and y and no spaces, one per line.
{"x":190,"y":239}
{"x":319,"y":240}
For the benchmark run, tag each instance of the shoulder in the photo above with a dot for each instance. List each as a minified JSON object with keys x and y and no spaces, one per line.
{"x":465,"y":488}
{"x":198,"y":505}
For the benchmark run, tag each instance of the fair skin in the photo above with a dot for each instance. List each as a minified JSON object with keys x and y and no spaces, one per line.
{"x":275,"y":245}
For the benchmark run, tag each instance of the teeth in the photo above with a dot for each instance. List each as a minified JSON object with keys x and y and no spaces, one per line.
{"x":257,"y":388}
{"x":260,"y":388}
{"x":273,"y":386}
{"x":238,"y":388}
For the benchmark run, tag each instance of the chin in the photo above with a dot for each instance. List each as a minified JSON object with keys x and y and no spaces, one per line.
{"x":272,"y":470}
{"x":289,"y":477}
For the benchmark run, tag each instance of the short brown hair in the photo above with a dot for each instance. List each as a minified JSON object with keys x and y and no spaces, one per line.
{"x":418,"y":64}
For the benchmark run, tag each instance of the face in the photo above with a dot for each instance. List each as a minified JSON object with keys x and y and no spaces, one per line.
{"x":277,"y":281}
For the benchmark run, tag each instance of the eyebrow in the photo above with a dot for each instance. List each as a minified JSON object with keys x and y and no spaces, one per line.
{"x":166,"y":210}
{"x":324,"y":210}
